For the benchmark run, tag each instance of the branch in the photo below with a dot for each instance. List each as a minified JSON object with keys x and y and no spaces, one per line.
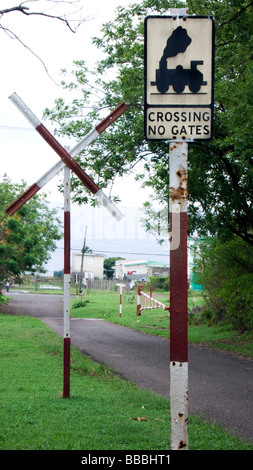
{"x":12,"y":35}
{"x":25,"y":10}
{"x":234,"y":17}
{"x":17,"y":8}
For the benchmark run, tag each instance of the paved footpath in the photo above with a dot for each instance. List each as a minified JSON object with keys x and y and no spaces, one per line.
{"x":220,"y":385}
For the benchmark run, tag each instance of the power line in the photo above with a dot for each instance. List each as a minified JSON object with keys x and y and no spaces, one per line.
{"x":13,"y":128}
{"x":119,"y":252}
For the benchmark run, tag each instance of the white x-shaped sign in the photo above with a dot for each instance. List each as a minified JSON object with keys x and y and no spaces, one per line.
{"x":67,"y":158}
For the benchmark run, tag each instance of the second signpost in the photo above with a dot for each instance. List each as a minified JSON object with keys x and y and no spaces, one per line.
{"x":178,"y":109}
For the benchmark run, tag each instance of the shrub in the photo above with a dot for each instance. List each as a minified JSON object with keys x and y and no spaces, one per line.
{"x":159,"y":283}
{"x":80,"y":303}
{"x":237,"y":295}
{"x":227,"y":275}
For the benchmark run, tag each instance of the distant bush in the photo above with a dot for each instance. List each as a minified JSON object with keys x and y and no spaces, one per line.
{"x":237,"y":295}
{"x":227,"y":277}
{"x":159,"y":283}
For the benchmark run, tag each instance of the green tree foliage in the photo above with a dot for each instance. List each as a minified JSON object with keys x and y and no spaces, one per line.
{"x":118,"y":77}
{"x":226,"y":272}
{"x":220,"y":172}
{"x":28,"y":237}
{"x":159,"y":283}
{"x":108,"y":266}
{"x":223,"y":169}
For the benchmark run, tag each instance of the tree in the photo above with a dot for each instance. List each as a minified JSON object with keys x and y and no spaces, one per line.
{"x":108,"y":266}
{"x":86,"y":249}
{"x":226,"y":272}
{"x":223,"y":169}
{"x":220,"y":172}
{"x":27,"y":238}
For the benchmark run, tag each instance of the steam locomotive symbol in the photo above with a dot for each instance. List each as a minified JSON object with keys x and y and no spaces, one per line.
{"x":179,"y":77}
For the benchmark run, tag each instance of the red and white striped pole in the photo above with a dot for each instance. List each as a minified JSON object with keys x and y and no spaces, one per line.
{"x":67,"y":283}
{"x":178,"y":296}
{"x":66,"y":158}
{"x":120,"y":298}
{"x":138,"y":312}
{"x":120,"y":301}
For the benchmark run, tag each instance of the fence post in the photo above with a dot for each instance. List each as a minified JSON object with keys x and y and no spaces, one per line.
{"x":138,"y":312}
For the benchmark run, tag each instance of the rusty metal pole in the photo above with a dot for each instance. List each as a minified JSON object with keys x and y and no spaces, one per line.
{"x":178,"y":297}
{"x":67,"y":282}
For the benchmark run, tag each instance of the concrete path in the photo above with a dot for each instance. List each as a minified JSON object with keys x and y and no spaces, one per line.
{"x":220,"y":385}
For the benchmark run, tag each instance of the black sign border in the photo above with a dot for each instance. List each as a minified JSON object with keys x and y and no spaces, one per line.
{"x":148,"y":106}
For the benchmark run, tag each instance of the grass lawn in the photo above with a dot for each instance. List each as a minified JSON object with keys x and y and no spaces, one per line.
{"x":102,"y":411}
{"x":101,"y":304}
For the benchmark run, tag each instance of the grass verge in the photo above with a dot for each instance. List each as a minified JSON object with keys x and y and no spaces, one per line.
{"x":102,"y":411}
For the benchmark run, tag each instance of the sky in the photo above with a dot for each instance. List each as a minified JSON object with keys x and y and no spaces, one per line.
{"x":23,"y":153}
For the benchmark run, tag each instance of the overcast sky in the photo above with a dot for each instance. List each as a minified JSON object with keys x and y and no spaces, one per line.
{"x":23,"y":153}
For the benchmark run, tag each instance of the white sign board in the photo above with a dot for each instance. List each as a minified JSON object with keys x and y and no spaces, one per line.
{"x":179,"y":57}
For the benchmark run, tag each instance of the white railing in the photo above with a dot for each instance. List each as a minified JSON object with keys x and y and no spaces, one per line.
{"x":145,"y":302}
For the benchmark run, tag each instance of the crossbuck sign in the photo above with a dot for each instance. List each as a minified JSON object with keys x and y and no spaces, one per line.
{"x":179,"y":78}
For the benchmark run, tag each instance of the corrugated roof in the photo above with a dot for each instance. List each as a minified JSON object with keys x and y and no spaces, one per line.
{"x":135,"y":263}
{"x":154,"y":264}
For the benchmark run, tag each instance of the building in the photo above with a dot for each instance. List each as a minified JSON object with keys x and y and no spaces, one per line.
{"x":93,"y":265}
{"x":139,"y":269}
{"x":157,"y":269}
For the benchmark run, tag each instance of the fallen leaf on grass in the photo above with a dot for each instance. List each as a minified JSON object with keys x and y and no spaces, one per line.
{"x":140,"y":419}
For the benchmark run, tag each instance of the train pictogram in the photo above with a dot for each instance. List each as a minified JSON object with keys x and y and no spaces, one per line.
{"x":179,"y":77}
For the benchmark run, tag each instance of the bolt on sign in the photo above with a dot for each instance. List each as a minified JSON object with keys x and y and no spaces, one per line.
{"x":179,"y":64}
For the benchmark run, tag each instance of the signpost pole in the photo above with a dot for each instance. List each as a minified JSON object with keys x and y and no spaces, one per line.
{"x":178,"y":167}
{"x":178,"y":297}
{"x":67,"y":282}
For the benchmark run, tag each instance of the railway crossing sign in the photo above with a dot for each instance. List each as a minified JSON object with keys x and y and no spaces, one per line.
{"x":68,"y":163}
{"x":179,"y":59}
